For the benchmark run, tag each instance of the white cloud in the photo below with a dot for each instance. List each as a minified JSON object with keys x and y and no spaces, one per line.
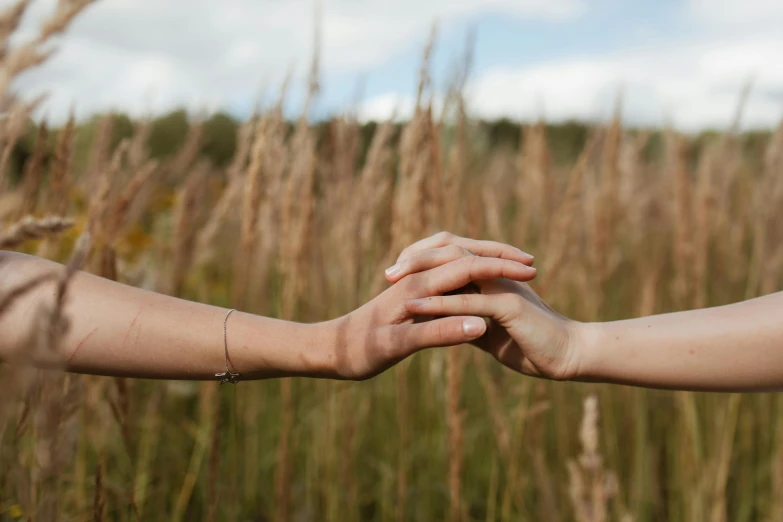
{"x":143,"y":55}
{"x":385,"y":106}
{"x":693,"y":84}
{"x":147,"y":56}
{"x":725,"y":14}
{"x":690,"y":87}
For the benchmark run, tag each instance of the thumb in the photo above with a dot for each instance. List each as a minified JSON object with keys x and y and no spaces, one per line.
{"x":447,"y":331}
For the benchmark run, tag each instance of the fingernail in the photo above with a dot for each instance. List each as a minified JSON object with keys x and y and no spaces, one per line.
{"x":473,"y":327}
{"x":526,"y":254}
{"x":394,"y":271}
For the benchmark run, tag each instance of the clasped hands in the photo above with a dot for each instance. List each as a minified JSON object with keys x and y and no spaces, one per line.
{"x":453,"y":284}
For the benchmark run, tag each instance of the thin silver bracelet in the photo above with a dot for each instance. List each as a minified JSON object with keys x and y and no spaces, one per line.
{"x":228,"y":375}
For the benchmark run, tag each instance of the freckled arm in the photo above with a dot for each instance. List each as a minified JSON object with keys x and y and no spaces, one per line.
{"x":738,"y":347}
{"x":120,"y":330}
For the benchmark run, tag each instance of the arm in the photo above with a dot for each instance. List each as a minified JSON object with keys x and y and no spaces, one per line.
{"x":124,"y":331}
{"x":738,"y":347}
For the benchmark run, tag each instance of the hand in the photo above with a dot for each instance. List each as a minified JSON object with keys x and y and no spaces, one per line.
{"x":382,"y":332}
{"x":452,"y":247}
{"x":525,"y":334}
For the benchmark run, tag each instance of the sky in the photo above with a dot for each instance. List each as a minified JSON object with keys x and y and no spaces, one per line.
{"x":682,"y":63}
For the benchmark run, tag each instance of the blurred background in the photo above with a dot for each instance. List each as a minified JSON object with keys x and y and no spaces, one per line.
{"x":682,"y":63}
{"x":276,"y":155}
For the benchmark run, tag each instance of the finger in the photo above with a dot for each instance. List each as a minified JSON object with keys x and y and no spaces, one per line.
{"x":464,"y":304}
{"x":459,"y":273}
{"x":501,"y":308}
{"x":448,"y":331}
{"x":425,"y":260}
{"x":478,"y":247}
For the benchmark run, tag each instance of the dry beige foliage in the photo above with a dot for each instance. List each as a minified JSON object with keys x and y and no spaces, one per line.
{"x":32,"y":229}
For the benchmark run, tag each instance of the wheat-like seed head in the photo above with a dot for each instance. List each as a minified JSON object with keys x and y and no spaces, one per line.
{"x":60,"y":173}
{"x":186,"y":215}
{"x":33,"y":172}
{"x":32,"y":229}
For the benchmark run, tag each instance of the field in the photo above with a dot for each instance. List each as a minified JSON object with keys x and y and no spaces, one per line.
{"x":298,"y":220}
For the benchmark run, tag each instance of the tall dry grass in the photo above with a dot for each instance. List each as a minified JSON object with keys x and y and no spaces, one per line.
{"x":300,"y":225}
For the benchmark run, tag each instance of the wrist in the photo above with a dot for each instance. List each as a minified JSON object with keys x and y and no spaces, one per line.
{"x":289,"y":349}
{"x":323,"y":338}
{"x":587,"y":349}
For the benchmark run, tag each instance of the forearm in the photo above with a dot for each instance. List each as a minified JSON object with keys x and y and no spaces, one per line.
{"x":124,"y":331}
{"x":737,"y":347}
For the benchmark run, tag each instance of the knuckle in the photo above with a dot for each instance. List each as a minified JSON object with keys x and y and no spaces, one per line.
{"x":515,"y":302}
{"x":500,"y":251}
{"x":466,"y":271}
{"x":416,"y":285}
{"x":410,"y":284}
{"x":455,"y":251}
{"x":446,"y":237}
{"x":464,"y":262}
{"x":464,"y":301}
{"x":440,"y":333}
{"x":506,"y":267}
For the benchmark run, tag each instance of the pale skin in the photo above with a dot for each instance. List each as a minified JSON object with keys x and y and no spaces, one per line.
{"x":118,"y":330}
{"x":731,"y":348}
{"x":123,"y":331}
